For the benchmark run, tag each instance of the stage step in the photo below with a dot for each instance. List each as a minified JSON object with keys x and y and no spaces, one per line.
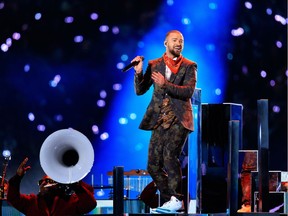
{"x":208,"y":214}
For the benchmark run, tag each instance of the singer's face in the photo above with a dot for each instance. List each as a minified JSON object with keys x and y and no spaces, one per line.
{"x":174,"y":44}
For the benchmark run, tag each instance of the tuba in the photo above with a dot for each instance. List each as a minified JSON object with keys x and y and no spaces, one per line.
{"x":66,"y":156}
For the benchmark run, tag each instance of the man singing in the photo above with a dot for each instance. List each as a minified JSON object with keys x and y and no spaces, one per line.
{"x":169,"y":116}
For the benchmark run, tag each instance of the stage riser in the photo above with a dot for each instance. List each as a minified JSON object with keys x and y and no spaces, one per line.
{"x":275,"y":199}
{"x":217,"y":214}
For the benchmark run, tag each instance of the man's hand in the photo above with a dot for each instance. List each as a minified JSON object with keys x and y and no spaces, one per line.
{"x":158,"y":78}
{"x":139,"y":67}
{"x":23,"y":168}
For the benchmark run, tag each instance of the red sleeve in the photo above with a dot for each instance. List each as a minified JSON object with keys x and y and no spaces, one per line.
{"x":15,"y":198}
{"x":86,"y":200}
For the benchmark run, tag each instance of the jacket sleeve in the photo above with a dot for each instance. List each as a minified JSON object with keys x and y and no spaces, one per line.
{"x":14,"y":197}
{"x":143,"y":82}
{"x":186,"y":86}
{"x":86,"y":200}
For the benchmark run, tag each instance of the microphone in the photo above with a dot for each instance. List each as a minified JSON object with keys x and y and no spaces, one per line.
{"x":132,"y":64}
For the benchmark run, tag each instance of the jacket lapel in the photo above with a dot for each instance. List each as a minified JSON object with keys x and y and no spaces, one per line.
{"x":179,"y":74}
{"x":162,"y":67}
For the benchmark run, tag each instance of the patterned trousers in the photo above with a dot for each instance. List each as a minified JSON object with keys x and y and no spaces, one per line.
{"x":164,"y":166}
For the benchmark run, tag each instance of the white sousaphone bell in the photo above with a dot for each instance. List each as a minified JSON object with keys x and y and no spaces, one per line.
{"x":66,"y":156}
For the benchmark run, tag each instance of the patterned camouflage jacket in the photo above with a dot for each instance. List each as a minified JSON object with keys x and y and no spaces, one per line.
{"x":179,"y":90}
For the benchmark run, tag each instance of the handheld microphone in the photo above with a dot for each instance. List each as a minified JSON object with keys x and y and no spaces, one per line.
{"x":132,"y":64}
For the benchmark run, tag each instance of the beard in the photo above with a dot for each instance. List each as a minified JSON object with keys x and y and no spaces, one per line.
{"x":175,"y":52}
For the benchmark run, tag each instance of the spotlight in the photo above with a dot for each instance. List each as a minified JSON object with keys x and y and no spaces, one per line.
{"x":6,"y":154}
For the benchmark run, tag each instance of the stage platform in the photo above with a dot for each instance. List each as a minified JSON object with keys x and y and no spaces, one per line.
{"x":207,"y":214}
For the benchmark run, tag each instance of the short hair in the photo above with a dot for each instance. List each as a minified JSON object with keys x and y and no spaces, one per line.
{"x":172,"y":31}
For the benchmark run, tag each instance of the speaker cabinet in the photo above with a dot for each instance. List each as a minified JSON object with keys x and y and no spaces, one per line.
{"x":277,"y":202}
{"x":215,"y":152}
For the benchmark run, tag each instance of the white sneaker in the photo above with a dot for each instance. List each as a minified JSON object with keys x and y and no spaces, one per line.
{"x":174,"y":205}
{"x":153,"y":211}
